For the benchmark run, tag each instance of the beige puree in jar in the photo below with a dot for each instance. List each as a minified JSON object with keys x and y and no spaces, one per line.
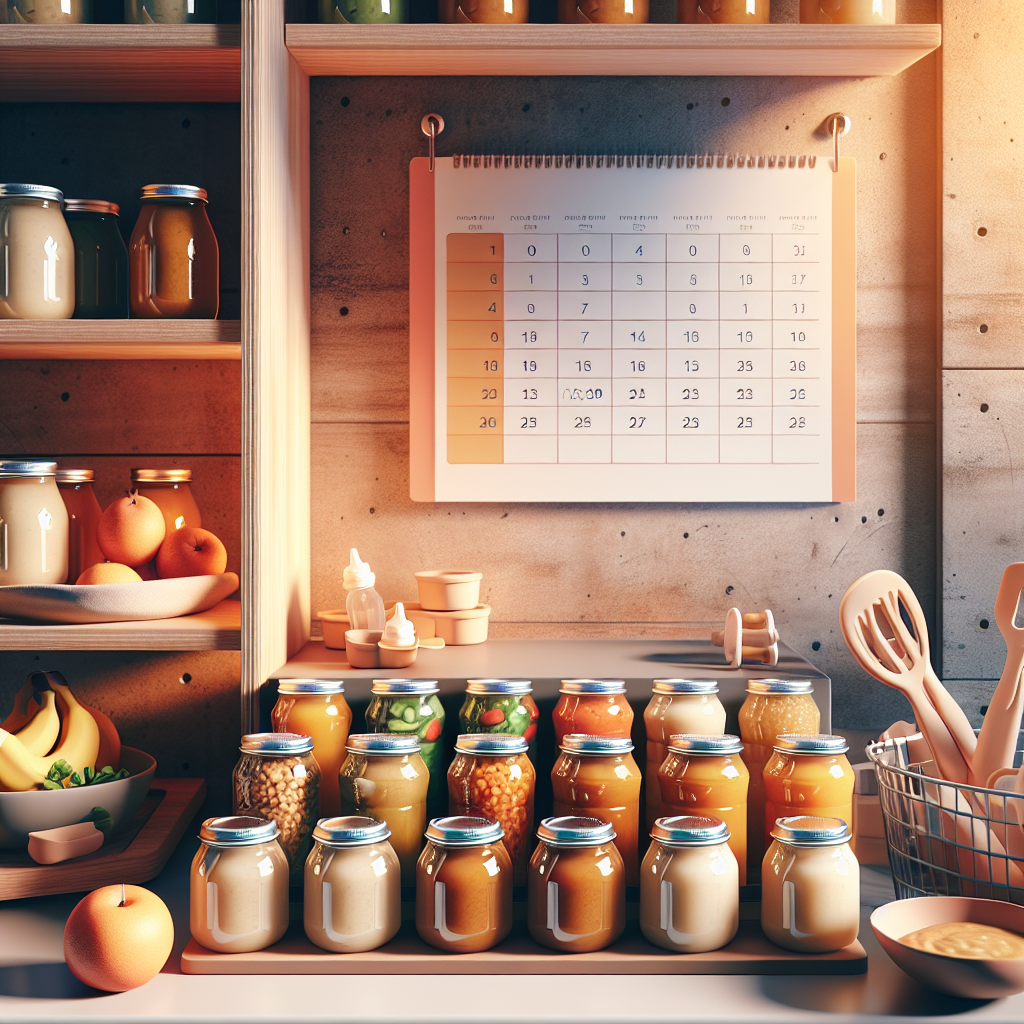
{"x":33,"y":525}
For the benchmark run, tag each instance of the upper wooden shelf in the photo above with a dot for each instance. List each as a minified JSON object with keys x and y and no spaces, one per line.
{"x":120,"y":339}
{"x":142,"y":63}
{"x":829,"y":50}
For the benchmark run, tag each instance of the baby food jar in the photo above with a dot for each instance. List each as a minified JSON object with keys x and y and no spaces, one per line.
{"x":596,"y":776}
{"x":410,"y":707}
{"x":277,"y":778}
{"x":482,"y":12}
{"x":173,"y":257}
{"x":501,"y":706}
{"x":577,"y":888}
{"x":690,"y":885}
{"x":317,"y":708}
{"x":46,"y":12}
{"x":810,"y":886}
{"x":33,"y":525}
{"x":171,"y":491}
{"x":807,"y":775}
{"x":75,"y":486}
{"x":366,"y":12}
{"x":352,"y":897}
{"x":170,"y":12}
{"x":848,"y":12}
{"x":463,"y":886}
{"x":689,"y":706}
{"x":592,"y":707}
{"x":101,"y":259}
{"x":238,"y":888}
{"x":37,"y":255}
{"x":723,"y":12}
{"x":384,"y":777}
{"x":706,"y":775}
{"x":604,"y":12}
{"x":774,"y":707}
{"x":491,"y":777}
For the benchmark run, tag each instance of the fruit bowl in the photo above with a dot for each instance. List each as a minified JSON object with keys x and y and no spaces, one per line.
{"x":21,"y":813}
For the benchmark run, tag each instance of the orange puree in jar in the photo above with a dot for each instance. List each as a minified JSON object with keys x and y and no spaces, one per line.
{"x":592,"y":707}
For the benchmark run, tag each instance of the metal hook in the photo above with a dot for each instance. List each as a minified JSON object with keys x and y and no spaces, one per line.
{"x":838,"y":126}
{"x":432,"y":125}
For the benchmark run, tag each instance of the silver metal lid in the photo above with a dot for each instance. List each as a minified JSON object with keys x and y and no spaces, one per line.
{"x":384,"y":743}
{"x":490,"y":744}
{"x":463,"y":831}
{"x":75,"y":476}
{"x":31,"y":191}
{"x":276,"y":744}
{"x":712,"y":746}
{"x":404,"y":687}
{"x":804,"y":830}
{"x":317,"y":686}
{"x":173,"y":192}
{"x":161,"y":476}
{"x":351,"y":830}
{"x":13,"y":467}
{"x":779,"y":686}
{"x":572,"y":830}
{"x":685,"y":686}
{"x":577,"y":743}
{"x":599,"y":686}
{"x":238,"y":831}
{"x":821,"y":743}
{"x":513,"y":686}
{"x":690,"y":830}
{"x":91,"y":206}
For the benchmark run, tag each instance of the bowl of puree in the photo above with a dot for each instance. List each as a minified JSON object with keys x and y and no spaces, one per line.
{"x":957,"y":944}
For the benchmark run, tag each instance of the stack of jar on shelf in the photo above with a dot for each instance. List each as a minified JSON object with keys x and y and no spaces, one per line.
{"x":383,"y":792}
{"x":170,"y":269}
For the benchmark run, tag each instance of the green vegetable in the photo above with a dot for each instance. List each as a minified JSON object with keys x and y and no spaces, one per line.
{"x":62,"y":776}
{"x":101,"y":818}
{"x":409,"y":715}
{"x":400,"y":725}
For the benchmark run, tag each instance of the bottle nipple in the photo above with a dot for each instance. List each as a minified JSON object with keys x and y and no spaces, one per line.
{"x":398,"y":630}
{"x":357,"y":575}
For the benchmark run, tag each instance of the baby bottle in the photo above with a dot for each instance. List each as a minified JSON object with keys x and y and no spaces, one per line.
{"x":363,"y":604}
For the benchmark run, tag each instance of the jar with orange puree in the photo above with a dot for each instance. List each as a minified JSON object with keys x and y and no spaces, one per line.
{"x":592,"y":707}
{"x":171,"y":490}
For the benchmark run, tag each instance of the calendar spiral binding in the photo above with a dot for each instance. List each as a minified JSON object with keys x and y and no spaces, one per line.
{"x":639,"y":160}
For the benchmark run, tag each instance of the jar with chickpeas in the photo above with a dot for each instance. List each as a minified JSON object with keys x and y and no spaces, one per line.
{"x":492,"y":777}
{"x":277,"y":778}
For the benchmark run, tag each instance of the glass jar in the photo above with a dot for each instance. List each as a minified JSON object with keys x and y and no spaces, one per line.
{"x":101,"y":259}
{"x":491,"y":777}
{"x":352,"y":897}
{"x":604,"y":12}
{"x":463,"y":886}
{"x":810,"y":886}
{"x":410,"y":707}
{"x":317,"y":708}
{"x":171,"y":491}
{"x":501,"y":706}
{"x":690,"y":885}
{"x":170,"y":12}
{"x":277,"y":778}
{"x":723,"y":12}
{"x":577,"y":887}
{"x":33,"y":525}
{"x":46,"y":12}
{"x":705,"y":775}
{"x":384,"y":777}
{"x":677,"y":706}
{"x":37,"y":255}
{"x":173,"y":257}
{"x":238,"y":888}
{"x":364,"y":12}
{"x":75,"y":486}
{"x":592,"y":707}
{"x":483,"y":12}
{"x":774,"y":707}
{"x":848,"y":12}
{"x":596,"y":777}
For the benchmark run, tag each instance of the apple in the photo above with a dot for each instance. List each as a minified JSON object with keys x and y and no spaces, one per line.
{"x":191,"y":551}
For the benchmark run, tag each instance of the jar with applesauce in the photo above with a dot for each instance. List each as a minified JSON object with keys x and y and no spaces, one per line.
{"x":773,"y":708}
{"x":238,"y":887}
{"x":463,"y":886}
{"x":352,"y":897}
{"x":723,"y":12}
{"x":689,"y":706}
{"x":317,"y":708}
{"x":173,"y":257}
{"x":75,"y":486}
{"x":810,"y":886}
{"x":604,"y":12}
{"x":101,"y":259}
{"x":592,"y":707}
{"x":171,"y":491}
{"x":33,"y":525}
{"x":848,"y":12}
{"x":705,"y":775}
{"x":577,"y":887}
{"x":690,"y":885}
{"x":384,"y":777}
{"x":37,"y":254}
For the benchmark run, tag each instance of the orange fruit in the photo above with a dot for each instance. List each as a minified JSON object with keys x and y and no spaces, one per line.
{"x":131,"y":530}
{"x":191,"y":551}
{"x":108,"y":572}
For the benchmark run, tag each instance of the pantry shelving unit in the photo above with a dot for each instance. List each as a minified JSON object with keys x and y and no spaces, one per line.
{"x":120,"y":339}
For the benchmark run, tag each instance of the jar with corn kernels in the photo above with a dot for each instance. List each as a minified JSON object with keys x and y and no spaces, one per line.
{"x":492,"y":777}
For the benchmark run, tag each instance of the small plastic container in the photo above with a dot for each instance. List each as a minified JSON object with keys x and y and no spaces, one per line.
{"x":75,"y":486}
{"x":848,"y":12}
{"x":592,"y":707}
{"x":171,"y":491}
{"x":456,"y":629}
{"x":724,"y":12}
{"x":363,"y":605}
{"x":101,"y":259}
{"x":361,"y":646}
{"x":448,"y":590}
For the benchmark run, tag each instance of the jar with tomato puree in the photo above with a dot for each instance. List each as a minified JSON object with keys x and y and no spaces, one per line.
{"x":503,"y":706}
{"x":592,"y":707}
{"x":705,"y":775}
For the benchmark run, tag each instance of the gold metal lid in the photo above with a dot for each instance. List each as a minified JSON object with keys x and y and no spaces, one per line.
{"x":75,"y":476}
{"x":91,"y":206}
{"x":161,"y":476}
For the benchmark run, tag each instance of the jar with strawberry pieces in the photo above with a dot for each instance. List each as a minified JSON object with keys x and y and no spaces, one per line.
{"x":502,"y":706}
{"x":592,"y":707}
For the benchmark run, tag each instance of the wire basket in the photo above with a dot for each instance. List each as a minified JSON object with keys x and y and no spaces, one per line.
{"x":946,"y":839}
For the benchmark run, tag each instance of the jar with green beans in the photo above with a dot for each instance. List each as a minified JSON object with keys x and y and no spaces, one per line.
{"x":502,"y":706}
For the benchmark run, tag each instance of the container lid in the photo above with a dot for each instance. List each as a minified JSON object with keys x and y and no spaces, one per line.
{"x":31,"y":191}
{"x":317,"y":686}
{"x":492,"y":744}
{"x":572,"y":830}
{"x":818,"y":744}
{"x":578,"y":743}
{"x":602,"y":686}
{"x":276,"y":744}
{"x":161,"y":476}
{"x":27,"y":469}
{"x":75,"y":476}
{"x":685,"y":686}
{"x":779,"y":686}
{"x":513,"y":686}
{"x":690,"y":830}
{"x":238,"y":831}
{"x":357,"y":575}
{"x":463,"y":831}
{"x":351,"y":830}
{"x":803,"y":830}
{"x":91,"y":206}
{"x":384,"y":743}
{"x":712,"y":746}
{"x":404,"y":687}
{"x":174,"y":192}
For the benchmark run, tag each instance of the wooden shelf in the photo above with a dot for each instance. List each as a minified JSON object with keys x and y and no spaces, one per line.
{"x":831,"y":50}
{"x":140,"y":63}
{"x":120,"y":339}
{"x":219,"y":629}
